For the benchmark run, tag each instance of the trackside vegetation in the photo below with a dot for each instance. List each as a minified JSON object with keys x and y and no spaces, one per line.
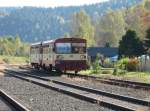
{"x":128,"y":65}
{"x":13,"y":59}
{"x":13,"y":50}
{"x":121,"y":74}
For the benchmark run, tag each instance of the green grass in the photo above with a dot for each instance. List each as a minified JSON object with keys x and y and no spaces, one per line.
{"x":140,"y":76}
{"x":13,"y":59}
{"x":87,"y":72}
{"x":135,"y":76}
{"x":102,"y":71}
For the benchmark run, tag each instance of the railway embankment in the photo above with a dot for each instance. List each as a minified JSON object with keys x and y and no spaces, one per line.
{"x":35,"y":95}
{"x":117,"y":89}
{"x":43,"y":99}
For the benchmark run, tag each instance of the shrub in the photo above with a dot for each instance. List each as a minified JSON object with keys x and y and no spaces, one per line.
{"x":115,"y":72}
{"x":106,"y":72}
{"x":27,"y":61}
{"x":89,"y":64}
{"x":122,"y":63}
{"x":122,"y":72}
{"x":6,"y":60}
{"x":132,"y":65}
{"x":95,"y":66}
{"x":107,"y":63}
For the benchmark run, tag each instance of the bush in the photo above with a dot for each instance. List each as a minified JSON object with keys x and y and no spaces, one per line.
{"x":122,"y":72}
{"x":89,"y":64}
{"x":115,"y":72}
{"x":132,"y":65}
{"x":107,"y":63}
{"x":106,"y":72}
{"x":121,"y":64}
{"x":27,"y":61}
{"x":95,"y":66}
{"x":118,"y":72}
{"x":6,"y":60}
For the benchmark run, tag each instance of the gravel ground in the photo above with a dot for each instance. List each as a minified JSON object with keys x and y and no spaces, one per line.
{"x":42,"y":99}
{"x":138,"y":93}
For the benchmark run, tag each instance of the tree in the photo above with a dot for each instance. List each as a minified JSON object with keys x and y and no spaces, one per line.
{"x":17,"y":44}
{"x":66,"y":35}
{"x":147,"y":4}
{"x":138,"y":19}
{"x":147,"y":41}
{"x":81,"y":27}
{"x":110,"y":28}
{"x":24,"y":50}
{"x":13,"y":46}
{"x":130,"y":45}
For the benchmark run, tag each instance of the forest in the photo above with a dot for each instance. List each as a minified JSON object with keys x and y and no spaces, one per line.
{"x":112,"y":26}
{"x":109,"y":21}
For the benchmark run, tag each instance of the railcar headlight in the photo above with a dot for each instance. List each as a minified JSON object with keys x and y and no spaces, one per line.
{"x":83,"y":57}
{"x":60,"y":57}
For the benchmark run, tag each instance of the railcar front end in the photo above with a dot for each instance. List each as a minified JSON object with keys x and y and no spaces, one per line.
{"x":71,"y":54}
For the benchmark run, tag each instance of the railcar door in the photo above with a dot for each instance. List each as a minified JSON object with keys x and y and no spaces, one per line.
{"x":40,"y":54}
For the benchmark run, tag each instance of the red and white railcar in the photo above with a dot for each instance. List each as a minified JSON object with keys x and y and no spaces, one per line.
{"x":61,"y":54}
{"x":35,"y":54}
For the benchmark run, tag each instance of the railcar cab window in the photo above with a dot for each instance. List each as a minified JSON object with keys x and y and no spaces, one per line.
{"x":63,"y":48}
{"x":78,"y":48}
{"x":67,"y":48}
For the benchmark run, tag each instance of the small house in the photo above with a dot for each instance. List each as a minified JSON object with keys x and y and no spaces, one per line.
{"x":105,"y":51}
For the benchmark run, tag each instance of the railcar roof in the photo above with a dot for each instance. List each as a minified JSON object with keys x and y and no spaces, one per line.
{"x":44,"y":42}
{"x":57,"y":40}
{"x":70,"y":38}
{"x":48,"y":41}
{"x":35,"y":44}
{"x":78,"y":40}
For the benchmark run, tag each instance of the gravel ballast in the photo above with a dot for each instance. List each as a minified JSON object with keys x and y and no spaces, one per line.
{"x":126,"y":91}
{"x":43,"y":99}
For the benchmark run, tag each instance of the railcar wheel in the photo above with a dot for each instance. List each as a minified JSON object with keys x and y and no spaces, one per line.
{"x":50,"y":67}
{"x":58,"y":71}
{"x":76,"y":72}
{"x":37,"y":67}
{"x":65,"y":71}
{"x":34,"y":66}
{"x":44,"y":67}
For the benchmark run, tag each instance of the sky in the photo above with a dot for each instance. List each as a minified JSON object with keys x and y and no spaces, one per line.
{"x":47,"y":3}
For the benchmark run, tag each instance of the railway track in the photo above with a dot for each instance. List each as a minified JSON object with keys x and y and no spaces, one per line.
{"x":122,"y":83}
{"x":7,"y":103}
{"x":110,"y":100}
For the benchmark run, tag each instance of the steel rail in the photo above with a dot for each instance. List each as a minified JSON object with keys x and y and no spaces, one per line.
{"x":12,"y":102}
{"x":123,"y":83}
{"x":92,"y":90}
{"x":132,"y":100}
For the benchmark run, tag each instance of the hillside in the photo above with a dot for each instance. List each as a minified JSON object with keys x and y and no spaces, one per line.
{"x":36,"y":24}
